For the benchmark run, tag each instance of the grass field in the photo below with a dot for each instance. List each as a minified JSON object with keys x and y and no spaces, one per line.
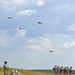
{"x":26,"y":72}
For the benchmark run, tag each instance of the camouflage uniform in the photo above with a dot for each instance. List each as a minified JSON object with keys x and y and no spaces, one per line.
{"x":61,"y":69}
{"x":5,"y":68}
{"x":70,"y":71}
{"x":55,"y":70}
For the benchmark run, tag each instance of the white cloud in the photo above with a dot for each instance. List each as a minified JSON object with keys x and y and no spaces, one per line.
{"x":7,"y":39}
{"x":69,"y":44}
{"x":39,"y":2}
{"x":71,"y":27}
{"x":18,"y":2}
{"x":20,"y":33}
{"x":12,"y":4}
{"x":3,"y":42}
{"x":61,"y":7}
{"x":64,"y":8}
{"x":58,"y":52}
{"x":26,"y":12}
{"x":39,"y":44}
{"x":5,"y":4}
{"x":4,"y":38}
{"x":42,"y":45}
{"x":73,"y":55}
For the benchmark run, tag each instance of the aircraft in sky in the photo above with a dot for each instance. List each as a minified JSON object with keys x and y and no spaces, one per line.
{"x":20,"y":28}
{"x":51,"y":51}
{"x":39,"y":22}
{"x":9,"y":17}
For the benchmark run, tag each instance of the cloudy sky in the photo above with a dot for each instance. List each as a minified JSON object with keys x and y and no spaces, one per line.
{"x":26,"y":44}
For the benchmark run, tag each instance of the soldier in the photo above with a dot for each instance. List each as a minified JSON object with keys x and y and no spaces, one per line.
{"x":5,"y":66}
{"x":58,"y":70}
{"x":61,"y":69}
{"x":55,"y":69}
{"x":67,"y":70}
{"x":70,"y":71}
{"x":12,"y":72}
{"x":17,"y":73}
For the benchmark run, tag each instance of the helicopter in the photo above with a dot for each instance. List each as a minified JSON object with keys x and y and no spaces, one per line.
{"x":39,"y":22}
{"x":20,"y":28}
{"x":51,"y":51}
{"x":9,"y":17}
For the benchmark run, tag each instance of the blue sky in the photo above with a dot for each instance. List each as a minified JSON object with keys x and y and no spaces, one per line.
{"x":28,"y":48}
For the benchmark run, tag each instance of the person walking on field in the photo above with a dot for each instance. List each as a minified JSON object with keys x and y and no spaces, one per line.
{"x":5,"y":66}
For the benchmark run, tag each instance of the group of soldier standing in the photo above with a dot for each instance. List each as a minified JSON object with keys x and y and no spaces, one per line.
{"x":62,"y":70}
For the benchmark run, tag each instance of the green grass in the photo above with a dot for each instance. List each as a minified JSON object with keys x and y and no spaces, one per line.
{"x":26,"y":72}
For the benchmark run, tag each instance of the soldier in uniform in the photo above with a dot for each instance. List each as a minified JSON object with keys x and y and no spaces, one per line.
{"x":55,"y":69}
{"x":67,"y":70}
{"x":70,"y":71}
{"x":12,"y":72}
{"x":61,"y":69}
{"x":58,"y":70}
{"x":5,"y":66}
